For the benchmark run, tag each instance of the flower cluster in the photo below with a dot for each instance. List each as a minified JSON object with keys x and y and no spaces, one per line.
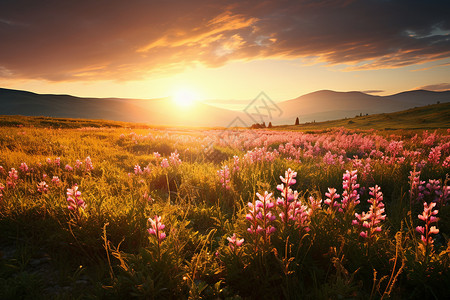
{"x":164,"y":163}
{"x":414,"y":184}
{"x":332,"y":196}
{"x":156,"y":228}
{"x":287,"y":195}
{"x":261,"y":217}
{"x":75,"y":202}
{"x":224,"y":177}
{"x":88,"y":164}
{"x":13,"y":176}
{"x":350,"y":196}
{"x":369,"y":223}
{"x":42,"y":187}
{"x":234,"y":242}
{"x":23,"y":167}
{"x":175,"y":158}
{"x":428,"y":216}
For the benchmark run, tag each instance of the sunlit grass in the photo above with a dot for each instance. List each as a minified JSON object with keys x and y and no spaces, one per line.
{"x":105,"y":250}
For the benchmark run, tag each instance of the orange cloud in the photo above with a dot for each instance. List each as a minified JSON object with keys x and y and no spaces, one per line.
{"x":98,"y":40}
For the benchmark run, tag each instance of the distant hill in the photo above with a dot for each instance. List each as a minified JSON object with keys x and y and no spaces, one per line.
{"x":153,"y":111}
{"x":329,"y":105}
{"x":318,"y":106}
{"x":431,"y":116}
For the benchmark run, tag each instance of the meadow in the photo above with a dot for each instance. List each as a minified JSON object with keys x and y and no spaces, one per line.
{"x":101,"y":210}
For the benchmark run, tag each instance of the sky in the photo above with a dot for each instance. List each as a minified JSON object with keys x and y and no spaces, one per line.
{"x":223,"y":52}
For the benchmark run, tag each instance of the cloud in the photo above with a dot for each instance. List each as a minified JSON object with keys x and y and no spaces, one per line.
{"x":435,"y":87}
{"x":126,"y":40}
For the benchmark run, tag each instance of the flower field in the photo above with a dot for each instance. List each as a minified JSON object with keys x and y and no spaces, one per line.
{"x":118,"y":213}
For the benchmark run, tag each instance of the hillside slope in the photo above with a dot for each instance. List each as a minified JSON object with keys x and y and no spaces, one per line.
{"x":426,"y":117}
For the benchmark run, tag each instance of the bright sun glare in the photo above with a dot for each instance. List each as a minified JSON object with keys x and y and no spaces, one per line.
{"x":184,"y":97}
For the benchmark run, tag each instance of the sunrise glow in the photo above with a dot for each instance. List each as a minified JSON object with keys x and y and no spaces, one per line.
{"x":184,"y":97}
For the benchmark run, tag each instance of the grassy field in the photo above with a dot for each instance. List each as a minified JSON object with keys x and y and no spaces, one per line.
{"x":426,"y":117}
{"x":97,"y":209}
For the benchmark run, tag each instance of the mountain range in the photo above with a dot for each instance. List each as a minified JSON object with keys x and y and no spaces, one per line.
{"x":317,"y":106}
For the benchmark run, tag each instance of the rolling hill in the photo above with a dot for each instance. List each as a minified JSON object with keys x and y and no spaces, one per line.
{"x":330,"y":105}
{"x":317,"y":106}
{"x":432,"y":116}
{"x":153,"y":111}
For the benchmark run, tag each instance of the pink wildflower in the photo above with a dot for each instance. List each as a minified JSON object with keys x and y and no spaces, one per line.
{"x":156,"y":228}
{"x":234,"y":242}
{"x":56,"y":180}
{"x":88,"y":164}
{"x":13,"y":176}
{"x":156,"y":155}
{"x":164,"y":163}
{"x":350,"y":196}
{"x":224,"y":177}
{"x":428,"y":216}
{"x":75,"y":202}
{"x":236,"y":163}
{"x":414,"y":184}
{"x":330,"y":201}
{"x":68,"y":168}
{"x":23,"y":167}
{"x":175,"y":158}
{"x":42,"y":187}
{"x":287,"y":195}
{"x":370,"y":222}
{"x":138,"y":170}
{"x":78,"y":164}
{"x":265,"y":205}
{"x":435,"y":155}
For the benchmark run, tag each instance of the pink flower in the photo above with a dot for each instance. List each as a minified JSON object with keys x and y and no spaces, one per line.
{"x":428,"y":216}
{"x":138,"y":170}
{"x":234,"y":242}
{"x":289,"y":177}
{"x":88,"y":164}
{"x":42,"y":187}
{"x":156,"y":228}
{"x":369,"y":222}
{"x":56,"y":180}
{"x":350,"y":196}
{"x":435,"y":155}
{"x":75,"y":202}
{"x":68,"y":168}
{"x":164,"y":163}
{"x":331,"y":197}
{"x":236,"y":163}
{"x":175,"y":158}
{"x":156,"y":155}
{"x":224,"y":177}
{"x":13,"y":176}
{"x":23,"y":167}
{"x":78,"y":164}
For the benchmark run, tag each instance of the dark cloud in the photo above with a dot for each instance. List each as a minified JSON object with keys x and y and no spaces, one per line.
{"x":123,"y":40}
{"x":436,"y":87}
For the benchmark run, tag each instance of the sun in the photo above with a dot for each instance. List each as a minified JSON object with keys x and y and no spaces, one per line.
{"x":184,"y":97}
